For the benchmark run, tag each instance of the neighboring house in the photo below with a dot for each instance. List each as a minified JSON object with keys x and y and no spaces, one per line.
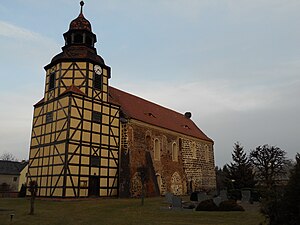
{"x":90,"y":139}
{"x":12,"y":175}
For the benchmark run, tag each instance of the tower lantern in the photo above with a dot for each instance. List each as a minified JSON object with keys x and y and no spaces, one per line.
{"x":80,"y":31}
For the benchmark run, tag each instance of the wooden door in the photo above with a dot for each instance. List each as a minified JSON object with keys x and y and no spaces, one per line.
{"x":94,"y":186}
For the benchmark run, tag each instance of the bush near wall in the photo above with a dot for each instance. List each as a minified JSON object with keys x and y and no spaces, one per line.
{"x":230,"y":205}
{"x":209,"y":205}
{"x":194,"y":196}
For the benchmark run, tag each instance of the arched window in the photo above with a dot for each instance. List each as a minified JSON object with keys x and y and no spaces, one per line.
{"x":174,"y":152}
{"x":206,"y":153}
{"x":88,"y":41}
{"x":78,"y":39}
{"x":194,"y":149}
{"x":148,"y":142}
{"x":156,"y":149}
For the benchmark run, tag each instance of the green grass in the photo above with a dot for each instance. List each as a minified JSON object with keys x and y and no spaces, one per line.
{"x":116,"y":212}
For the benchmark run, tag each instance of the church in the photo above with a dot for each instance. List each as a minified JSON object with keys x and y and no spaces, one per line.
{"x":91,"y":139}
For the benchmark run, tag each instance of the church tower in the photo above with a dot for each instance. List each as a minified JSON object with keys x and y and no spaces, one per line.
{"x":74,"y":149}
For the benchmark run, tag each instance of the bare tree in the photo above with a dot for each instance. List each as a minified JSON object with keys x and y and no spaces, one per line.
{"x":6,"y":156}
{"x":143,"y":173}
{"x":269,"y":162}
{"x":33,"y":190}
{"x":282,"y":207}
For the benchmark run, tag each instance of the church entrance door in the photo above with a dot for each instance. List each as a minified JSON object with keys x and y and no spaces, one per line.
{"x":94,"y":186}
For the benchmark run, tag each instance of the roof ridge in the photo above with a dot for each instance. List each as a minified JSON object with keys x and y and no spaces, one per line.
{"x":141,"y":109}
{"x":148,"y":101}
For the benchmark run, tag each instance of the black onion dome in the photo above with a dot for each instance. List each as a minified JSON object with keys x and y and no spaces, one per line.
{"x":80,"y":23}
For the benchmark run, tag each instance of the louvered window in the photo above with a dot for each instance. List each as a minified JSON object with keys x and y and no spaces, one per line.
{"x":49,"y":117}
{"x":97,"y":82}
{"x":52,"y":81}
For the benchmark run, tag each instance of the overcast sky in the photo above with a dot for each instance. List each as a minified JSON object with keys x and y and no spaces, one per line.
{"x":235,"y":64}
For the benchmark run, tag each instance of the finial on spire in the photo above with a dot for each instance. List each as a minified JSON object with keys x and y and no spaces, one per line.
{"x":81,"y":5}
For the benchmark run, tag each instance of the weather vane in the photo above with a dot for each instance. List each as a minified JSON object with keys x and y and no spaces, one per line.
{"x":81,"y":5}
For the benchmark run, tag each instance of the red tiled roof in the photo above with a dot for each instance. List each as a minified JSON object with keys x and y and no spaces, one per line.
{"x":149,"y":112}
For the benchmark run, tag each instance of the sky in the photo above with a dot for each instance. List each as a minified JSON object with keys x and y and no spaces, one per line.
{"x":235,"y":65}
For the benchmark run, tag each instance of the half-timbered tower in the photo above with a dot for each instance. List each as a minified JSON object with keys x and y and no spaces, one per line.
{"x":75,"y":131}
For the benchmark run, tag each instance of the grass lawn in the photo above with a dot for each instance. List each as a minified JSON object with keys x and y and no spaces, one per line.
{"x":117,"y":212}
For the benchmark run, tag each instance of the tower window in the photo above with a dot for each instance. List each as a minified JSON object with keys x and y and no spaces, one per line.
{"x":88,"y":41}
{"x":68,"y":40}
{"x":78,"y":39}
{"x":52,"y":81}
{"x":194,"y":150}
{"x":95,"y":161}
{"x":96,"y":117}
{"x":49,"y":117}
{"x":97,"y":81}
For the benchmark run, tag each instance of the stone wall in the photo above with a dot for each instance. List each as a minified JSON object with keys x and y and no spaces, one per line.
{"x":194,"y":169}
{"x":198,"y":164}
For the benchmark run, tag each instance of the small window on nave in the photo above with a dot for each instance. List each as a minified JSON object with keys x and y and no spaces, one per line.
{"x":174,"y":152}
{"x":156,"y":149}
{"x":206,"y":153}
{"x":194,"y":149}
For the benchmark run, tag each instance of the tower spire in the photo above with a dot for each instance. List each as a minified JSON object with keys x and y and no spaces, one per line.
{"x":81,"y":6}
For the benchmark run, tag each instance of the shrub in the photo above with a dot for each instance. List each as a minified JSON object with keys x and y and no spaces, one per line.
{"x":207,"y":205}
{"x":230,"y":205}
{"x":235,"y":194}
{"x":194,"y":196}
{"x":22,"y":192}
{"x":255,"y":195}
{"x":189,"y":206}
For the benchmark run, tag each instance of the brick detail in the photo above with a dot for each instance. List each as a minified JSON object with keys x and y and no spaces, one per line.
{"x":199,"y":167}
